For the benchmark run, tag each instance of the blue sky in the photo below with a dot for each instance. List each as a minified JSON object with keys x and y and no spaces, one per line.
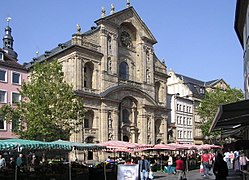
{"x":195,"y":38}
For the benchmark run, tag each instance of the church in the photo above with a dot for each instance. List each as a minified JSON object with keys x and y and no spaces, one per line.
{"x":114,"y":68}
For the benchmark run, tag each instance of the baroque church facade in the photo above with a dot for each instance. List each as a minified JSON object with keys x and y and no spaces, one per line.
{"x":114,"y":68}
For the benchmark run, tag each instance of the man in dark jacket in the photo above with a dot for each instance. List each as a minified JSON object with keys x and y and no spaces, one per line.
{"x":144,"y":168}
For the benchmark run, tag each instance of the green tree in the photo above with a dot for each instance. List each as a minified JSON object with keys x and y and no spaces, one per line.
{"x":212,"y":100}
{"x":49,"y":109}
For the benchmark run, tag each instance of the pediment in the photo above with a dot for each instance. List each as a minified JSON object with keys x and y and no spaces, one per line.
{"x":128,"y":15}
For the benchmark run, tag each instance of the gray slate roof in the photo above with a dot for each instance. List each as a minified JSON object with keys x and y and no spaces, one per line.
{"x":196,"y":85}
{"x":61,"y":47}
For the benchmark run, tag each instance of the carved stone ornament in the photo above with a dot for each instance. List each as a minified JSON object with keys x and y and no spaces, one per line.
{"x":125,"y":39}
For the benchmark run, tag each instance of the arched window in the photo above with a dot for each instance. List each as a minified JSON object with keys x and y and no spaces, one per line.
{"x":88,"y":75}
{"x":123,"y":70}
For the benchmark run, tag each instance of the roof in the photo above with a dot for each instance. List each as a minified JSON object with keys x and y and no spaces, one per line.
{"x":194,"y":85}
{"x":133,"y":12}
{"x":11,"y":62}
{"x":231,"y":117}
{"x":60,"y":48}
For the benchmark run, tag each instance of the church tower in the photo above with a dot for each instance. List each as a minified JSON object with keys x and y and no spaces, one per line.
{"x":8,"y":41}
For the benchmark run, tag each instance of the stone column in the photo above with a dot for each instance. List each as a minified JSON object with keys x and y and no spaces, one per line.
{"x":78,"y":70}
{"x":103,"y":124}
{"x":115,"y":54}
{"x":165,"y":129}
{"x":153,"y":137}
{"x":143,"y":128}
{"x":115,"y":124}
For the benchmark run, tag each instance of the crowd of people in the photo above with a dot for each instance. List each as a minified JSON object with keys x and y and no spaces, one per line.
{"x":171,"y":163}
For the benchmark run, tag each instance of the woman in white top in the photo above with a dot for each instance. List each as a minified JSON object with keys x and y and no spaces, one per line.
{"x":170,"y":163}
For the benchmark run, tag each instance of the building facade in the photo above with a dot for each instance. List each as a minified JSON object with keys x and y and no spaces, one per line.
{"x":114,"y":68}
{"x":241,"y":26}
{"x":184,"y":97}
{"x":12,"y":74}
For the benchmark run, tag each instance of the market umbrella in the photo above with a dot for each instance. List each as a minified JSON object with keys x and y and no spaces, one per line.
{"x":33,"y":144}
{"x":161,"y":147}
{"x":78,"y":146}
{"x":6,"y":146}
{"x":208,"y":146}
{"x":119,"y":145}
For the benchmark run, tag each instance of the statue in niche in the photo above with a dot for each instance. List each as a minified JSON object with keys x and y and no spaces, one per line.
{"x":109,"y":44}
{"x":147,"y":55}
{"x":110,"y":136}
{"x":109,"y":65}
{"x":149,"y":124}
{"x":109,"y":120}
{"x":148,"y":75}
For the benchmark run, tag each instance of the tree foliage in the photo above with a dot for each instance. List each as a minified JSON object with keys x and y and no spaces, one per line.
{"x":49,"y":109}
{"x":212,"y":100}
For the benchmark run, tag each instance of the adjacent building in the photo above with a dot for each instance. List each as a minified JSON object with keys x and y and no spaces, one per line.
{"x":184,"y":96}
{"x":12,"y":74}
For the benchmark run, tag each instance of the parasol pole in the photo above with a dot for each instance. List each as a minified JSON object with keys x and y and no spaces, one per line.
{"x":105,"y":170}
{"x":16,"y":172}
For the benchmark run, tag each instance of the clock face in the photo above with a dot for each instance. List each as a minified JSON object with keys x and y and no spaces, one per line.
{"x":125,"y":39}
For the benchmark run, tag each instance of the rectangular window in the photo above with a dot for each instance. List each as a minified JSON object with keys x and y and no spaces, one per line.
{"x":15,"y":124}
{"x":1,"y":56}
{"x":16,"y":97}
{"x":86,"y":123}
{"x":16,"y":78}
{"x":3,"y":96}
{"x":2,"y":124}
{"x":3,"y":75}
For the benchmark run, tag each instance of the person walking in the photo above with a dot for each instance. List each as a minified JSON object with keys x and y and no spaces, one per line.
{"x":179,"y":167}
{"x":205,"y":158}
{"x":220,"y":168}
{"x":243,"y":161}
{"x":2,"y":162}
{"x":170,"y":169}
{"x":19,"y":162}
{"x":144,"y":168}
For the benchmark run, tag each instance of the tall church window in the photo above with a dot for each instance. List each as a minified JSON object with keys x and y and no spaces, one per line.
{"x":88,"y":75}
{"x":125,"y":116}
{"x":88,"y":120}
{"x":157,"y":88}
{"x":123,"y":70}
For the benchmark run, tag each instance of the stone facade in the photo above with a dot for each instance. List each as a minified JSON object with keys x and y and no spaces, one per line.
{"x":113,"y":67}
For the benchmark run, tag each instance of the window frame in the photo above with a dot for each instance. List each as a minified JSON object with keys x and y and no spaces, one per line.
{"x":14,"y":92}
{"x":5,"y":98}
{"x":123,"y":71}
{"x":1,"y":56}
{"x":4,"y":124}
{"x":6,"y":75}
{"x":12,"y":75}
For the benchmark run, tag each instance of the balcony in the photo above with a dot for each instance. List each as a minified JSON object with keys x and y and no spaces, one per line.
{"x":89,"y":90}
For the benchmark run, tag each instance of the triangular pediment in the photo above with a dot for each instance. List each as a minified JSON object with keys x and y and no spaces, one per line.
{"x":128,"y":15}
